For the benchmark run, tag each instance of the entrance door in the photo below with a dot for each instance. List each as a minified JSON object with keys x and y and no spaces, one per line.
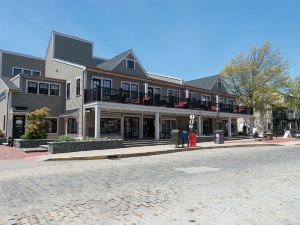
{"x":148,"y":127}
{"x":18,"y":126}
{"x":150,"y":92}
{"x":131,"y":127}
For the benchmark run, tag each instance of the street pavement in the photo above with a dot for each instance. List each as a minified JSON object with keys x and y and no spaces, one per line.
{"x":253,"y":185}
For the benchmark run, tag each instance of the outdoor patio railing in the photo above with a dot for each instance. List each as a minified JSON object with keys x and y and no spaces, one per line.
{"x":141,"y":98}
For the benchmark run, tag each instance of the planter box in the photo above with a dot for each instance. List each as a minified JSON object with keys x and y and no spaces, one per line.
{"x":3,"y":140}
{"x":32,"y":143}
{"x":75,"y":146}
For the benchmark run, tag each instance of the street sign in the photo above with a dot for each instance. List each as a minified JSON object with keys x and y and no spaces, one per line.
{"x":192,"y":117}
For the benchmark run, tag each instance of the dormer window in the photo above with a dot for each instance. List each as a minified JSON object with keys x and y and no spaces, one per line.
{"x":219,"y":84}
{"x":130,"y":64}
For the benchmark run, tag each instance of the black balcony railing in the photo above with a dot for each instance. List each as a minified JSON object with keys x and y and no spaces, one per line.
{"x":140,"y":98}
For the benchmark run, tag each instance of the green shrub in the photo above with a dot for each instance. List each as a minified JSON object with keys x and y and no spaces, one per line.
{"x":65,"y":138}
{"x":36,"y":127}
{"x":28,"y":135}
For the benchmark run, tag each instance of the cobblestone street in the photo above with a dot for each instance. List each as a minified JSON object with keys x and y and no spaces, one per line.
{"x":223,"y":186}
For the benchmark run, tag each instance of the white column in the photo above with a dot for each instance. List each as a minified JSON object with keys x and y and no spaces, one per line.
{"x":157,"y":126}
{"x":66,"y":125}
{"x":97,"y":122}
{"x":229,"y":127}
{"x":84,"y":123}
{"x":199,"y":126}
{"x":187,"y":93}
{"x":217,"y":102}
{"x":146,"y":89}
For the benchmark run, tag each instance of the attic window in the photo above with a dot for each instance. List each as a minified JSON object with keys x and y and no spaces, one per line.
{"x":219,"y":84}
{"x":130,"y":64}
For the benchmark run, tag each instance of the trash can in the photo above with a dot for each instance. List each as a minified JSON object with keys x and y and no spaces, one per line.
{"x":219,"y":137}
{"x":185,"y":137}
{"x":176,"y":137}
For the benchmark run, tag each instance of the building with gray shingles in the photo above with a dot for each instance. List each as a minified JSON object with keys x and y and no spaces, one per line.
{"x":93,"y":96}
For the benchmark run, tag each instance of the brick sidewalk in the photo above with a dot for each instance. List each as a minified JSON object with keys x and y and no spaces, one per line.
{"x":7,"y":153}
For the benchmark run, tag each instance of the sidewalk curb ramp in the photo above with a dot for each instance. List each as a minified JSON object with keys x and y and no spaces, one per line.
{"x":139,"y":154}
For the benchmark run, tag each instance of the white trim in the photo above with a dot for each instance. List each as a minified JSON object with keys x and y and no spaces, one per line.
{"x":130,"y":83}
{"x":57,"y":125}
{"x":166,"y":76}
{"x":173,"y":92}
{"x":165,"y":110}
{"x":68,"y":82}
{"x":136,"y":59}
{"x":38,"y":89}
{"x":72,"y":37}
{"x":134,"y":62}
{"x":154,"y":87}
{"x":22,"y":71}
{"x":78,"y":78}
{"x":20,"y":54}
{"x":69,"y":63}
{"x":101,"y":81}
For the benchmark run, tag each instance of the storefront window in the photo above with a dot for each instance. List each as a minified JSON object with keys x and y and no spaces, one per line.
{"x":110,"y":126}
{"x":52,"y":125}
{"x":72,"y":126}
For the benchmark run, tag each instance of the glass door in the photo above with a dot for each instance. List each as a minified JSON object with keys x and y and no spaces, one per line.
{"x":131,"y":127}
{"x":96,"y":85}
{"x":18,"y":126}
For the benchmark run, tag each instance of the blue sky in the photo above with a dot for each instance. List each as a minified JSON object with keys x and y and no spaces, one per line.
{"x":182,"y":38}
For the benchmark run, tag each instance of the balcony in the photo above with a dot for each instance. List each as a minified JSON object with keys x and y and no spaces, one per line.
{"x":140,"y":98}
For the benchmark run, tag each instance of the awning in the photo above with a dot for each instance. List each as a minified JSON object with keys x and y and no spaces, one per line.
{"x":20,"y":109}
{"x":68,"y":113}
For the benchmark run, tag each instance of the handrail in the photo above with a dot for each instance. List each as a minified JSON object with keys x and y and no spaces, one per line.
{"x":141,"y":98}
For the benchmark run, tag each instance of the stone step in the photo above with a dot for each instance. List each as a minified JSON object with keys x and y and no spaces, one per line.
{"x":140,"y":143}
{"x":6,"y":144}
{"x":44,"y":146}
{"x":28,"y":150}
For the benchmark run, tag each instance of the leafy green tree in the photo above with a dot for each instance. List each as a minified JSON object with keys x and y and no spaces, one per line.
{"x":36,"y":127}
{"x":293,"y":96}
{"x":257,"y":77}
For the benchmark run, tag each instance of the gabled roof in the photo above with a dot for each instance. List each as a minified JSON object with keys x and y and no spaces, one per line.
{"x":10,"y":85}
{"x":110,"y":64}
{"x":205,"y":82}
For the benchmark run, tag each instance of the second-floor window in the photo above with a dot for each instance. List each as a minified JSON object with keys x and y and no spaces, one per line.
{"x":32,"y":87}
{"x":43,"y":88}
{"x":17,"y":70}
{"x":130,"y":64}
{"x":54,"y":89}
{"x":219,"y":84}
{"x":77,"y":86}
{"x":134,"y":91}
{"x":126,"y":89}
{"x":68,"y":90}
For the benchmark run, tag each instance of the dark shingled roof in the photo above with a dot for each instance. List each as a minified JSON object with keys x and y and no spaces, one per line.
{"x":204,"y":83}
{"x":8,"y":83}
